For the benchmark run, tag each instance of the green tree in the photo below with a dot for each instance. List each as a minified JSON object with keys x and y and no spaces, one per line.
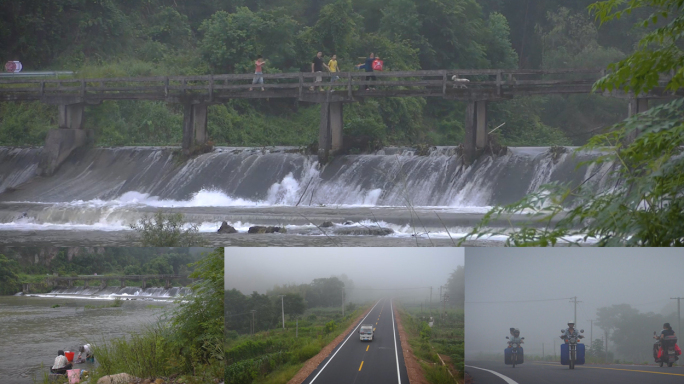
{"x":166,"y":230}
{"x":294,"y":304}
{"x":198,"y":323}
{"x":456,"y":287}
{"x":335,"y":30}
{"x":9,"y":278}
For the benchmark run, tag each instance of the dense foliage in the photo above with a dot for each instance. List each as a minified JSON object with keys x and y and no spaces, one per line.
{"x":88,"y":261}
{"x":323,"y":292}
{"x":160,"y":37}
{"x":641,"y":204}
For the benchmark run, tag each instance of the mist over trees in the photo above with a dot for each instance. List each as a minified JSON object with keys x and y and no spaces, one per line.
{"x":160,"y":37}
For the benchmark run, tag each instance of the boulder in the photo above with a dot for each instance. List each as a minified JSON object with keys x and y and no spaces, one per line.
{"x":364,"y":231}
{"x":327,"y":224}
{"x":225,"y":228}
{"x":258,"y":229}
{"x":119,"y":378}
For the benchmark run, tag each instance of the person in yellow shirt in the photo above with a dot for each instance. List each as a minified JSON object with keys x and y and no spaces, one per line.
{"x":332,"y":65}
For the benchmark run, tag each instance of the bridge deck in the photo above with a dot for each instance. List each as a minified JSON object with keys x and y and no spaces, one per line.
{"x":483,"y":85}
{"x":119,"y":277}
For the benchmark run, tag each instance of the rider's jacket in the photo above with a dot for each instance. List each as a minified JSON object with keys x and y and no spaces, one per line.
{"x":514,"y":339}
{"x":568,"y":333}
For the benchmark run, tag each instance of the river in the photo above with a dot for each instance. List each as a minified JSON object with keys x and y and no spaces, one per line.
{"x":98,"y":193}
{"x":33,"y":331}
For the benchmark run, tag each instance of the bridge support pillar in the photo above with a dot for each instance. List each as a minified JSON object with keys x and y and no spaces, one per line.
{"x":330,"y":135}
{"x":475,"y":130}
{"x":144,"y":284}
{"x":103,"y":284}
{"x":168,"y":283}
{"x":85,"y":283}
{"x":123,"y":283}
{"x":25,"y":288}
{"x":70,"y":283}
{"x":194,"y":127}
{"x":71,"y":116}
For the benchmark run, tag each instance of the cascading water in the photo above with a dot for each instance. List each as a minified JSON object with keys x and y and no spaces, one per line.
{"x":110,"y":188}
{"x":114,"y":292}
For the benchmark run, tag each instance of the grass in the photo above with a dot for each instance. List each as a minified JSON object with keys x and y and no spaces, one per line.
{"x":275,"y":356}
{"x":445,"y":338}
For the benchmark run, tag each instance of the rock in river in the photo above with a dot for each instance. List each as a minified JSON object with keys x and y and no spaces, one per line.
{"x":225,"y":228}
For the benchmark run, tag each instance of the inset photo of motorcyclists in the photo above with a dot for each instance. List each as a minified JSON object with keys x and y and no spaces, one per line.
{"x":573,"y":315}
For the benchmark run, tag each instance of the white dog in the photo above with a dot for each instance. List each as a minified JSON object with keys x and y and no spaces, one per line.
{"x":459,"y":83}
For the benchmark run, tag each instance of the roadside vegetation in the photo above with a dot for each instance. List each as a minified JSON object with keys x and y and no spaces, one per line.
{"x":166,"y":230}
{"x":259,"y":350}
{"x":444,"y":338}
{"x":117,"y":38}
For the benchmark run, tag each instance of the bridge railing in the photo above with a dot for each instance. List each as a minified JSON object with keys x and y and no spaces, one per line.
{"x":291,"y":84}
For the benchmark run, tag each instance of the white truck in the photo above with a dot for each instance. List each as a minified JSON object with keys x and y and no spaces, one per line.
{"x":366,"y":332}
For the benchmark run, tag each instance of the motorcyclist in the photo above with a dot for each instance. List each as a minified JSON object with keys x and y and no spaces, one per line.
{"x":667,"y":331}
{"x":515,"y":337}
{"x":571,"y":331}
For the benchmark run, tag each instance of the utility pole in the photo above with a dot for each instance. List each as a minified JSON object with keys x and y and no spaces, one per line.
{"x":543,"y":356}
{"x":554,"y":349}
{"x":342,"y":302}
{"x":679,"y":312}
{"x":430,"y":296}
{"x":591,"y":333}
{"x":575,"y":301}
{"x":282,"y":306}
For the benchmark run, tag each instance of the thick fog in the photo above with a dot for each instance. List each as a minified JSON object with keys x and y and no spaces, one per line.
{"x":530,"y":289}
{"x":375,"y":272}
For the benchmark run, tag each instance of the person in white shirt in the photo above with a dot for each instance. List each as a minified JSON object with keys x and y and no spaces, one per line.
{"x":85,"y":349}
{"x":61,"y":364}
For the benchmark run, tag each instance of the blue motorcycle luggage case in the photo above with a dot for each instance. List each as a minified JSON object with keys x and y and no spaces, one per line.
{"x":507,"y":356}
{"x":565,"y":354}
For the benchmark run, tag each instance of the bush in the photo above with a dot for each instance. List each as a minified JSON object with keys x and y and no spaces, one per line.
{"x":167,"y":230}
{"x":330,"y":326}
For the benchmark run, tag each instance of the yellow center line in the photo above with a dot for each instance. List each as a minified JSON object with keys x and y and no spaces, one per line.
{"x":376,"y":323}
{"x":368,"y":346}
{"x":361,"y":366}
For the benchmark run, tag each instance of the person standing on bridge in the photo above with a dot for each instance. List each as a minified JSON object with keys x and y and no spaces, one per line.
{"x":317,"y":65}
{"x":368,"y":66}
{"x":332,"y":66}
{"x":258,"y":72}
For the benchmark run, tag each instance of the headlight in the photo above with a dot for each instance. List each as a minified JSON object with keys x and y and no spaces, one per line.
{"x":515,"y":345}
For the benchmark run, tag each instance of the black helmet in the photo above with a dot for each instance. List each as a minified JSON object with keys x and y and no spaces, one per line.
{"x":667,"y":326}
{"x":516,"y":332}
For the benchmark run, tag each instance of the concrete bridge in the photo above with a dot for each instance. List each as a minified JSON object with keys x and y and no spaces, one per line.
{"x":103,"y":281}
{"x":196,"y":93}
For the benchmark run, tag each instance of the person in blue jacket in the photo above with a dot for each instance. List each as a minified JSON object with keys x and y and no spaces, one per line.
{"x":368,"y":66}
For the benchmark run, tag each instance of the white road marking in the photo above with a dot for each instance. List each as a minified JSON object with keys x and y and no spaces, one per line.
{"x":507,"y":379}
{"x":345,"y":340}
{"x":394,"y":333}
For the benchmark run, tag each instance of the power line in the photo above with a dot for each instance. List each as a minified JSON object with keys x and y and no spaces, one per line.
{"x":516,"y":301}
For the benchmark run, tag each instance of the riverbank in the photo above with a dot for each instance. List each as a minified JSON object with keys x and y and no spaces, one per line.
{"x":35,"y":328}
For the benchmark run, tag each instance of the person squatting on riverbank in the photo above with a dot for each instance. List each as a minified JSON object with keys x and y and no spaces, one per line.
{"x":258,"y":72}
{"x":86,"y":349}
{"x":61,"y":364}
{"x":317,"y":65}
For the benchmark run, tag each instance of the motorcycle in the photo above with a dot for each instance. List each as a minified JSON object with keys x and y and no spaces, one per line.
{"x":515,"y":351}
{"x":669,"y":353}
{"x":572,"y":352}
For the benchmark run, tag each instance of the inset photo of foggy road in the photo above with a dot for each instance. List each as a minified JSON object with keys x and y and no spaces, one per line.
{"x":571,"y":315}
{"x":341,"y":315}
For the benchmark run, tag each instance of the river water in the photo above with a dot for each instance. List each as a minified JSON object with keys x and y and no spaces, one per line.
{"x":32,"y":331}
{"x":97,"y":194}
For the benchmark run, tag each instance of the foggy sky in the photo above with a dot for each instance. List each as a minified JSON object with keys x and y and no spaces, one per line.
{"x":598,"y":277}
{"x":258,"y":269}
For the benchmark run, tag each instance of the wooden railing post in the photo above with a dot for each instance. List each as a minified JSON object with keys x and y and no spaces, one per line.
{"x":83,"y":87}
{"x":301,"y":84}
{"x":166,"y":87}
{"x":349,"y":85}
{"x":444,"y":82}
{"x":211,"y":87}
{"x":498,"y":83}
{"x":42,"y":89}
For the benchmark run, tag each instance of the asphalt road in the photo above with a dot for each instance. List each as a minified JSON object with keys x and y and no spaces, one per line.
{"x":361,"y":362}
{"x":490,"y":372}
